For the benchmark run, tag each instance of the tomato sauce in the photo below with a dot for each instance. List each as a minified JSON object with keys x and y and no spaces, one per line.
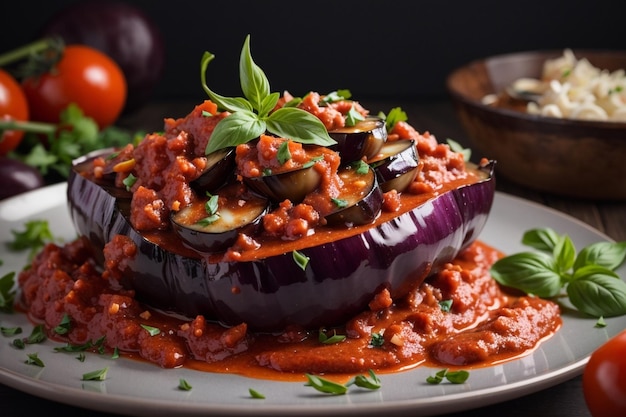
{"x":485,"y":324}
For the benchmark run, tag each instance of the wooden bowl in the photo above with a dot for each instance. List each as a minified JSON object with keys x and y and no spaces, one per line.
{"x":577,"y":158}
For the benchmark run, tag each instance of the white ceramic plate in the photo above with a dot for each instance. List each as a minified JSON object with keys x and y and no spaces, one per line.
{"x":139,"y":388}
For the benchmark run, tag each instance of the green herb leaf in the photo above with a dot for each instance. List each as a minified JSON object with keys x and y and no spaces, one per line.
{"x":283,"y":154}
{"x":607,"y":254}
{"x":454,"y":377}
{"x":129,"y":181}
{"x":361,"y":167}
{"x":597,"y":291}
{"x":395,"y":115}
{"x":300,"y":259}
{"x":37,"y":335}
{"x":600,"y":322}
{"x":64,"y":325}
{"x":339,"y":202}
{"x":236,"y":129}
{"x":153,"y":331}
{"x":445,"y":305}
{"x":298,"y":125}
{"x":532,"y":272}
{"x":253,"y":115}
{"x":369,"y":382}
{"x":33,"y":238}
{"x":564,"y":254}
{"x":184,"y":385}
{"x":98,"y":375}
{"x":7,"y":292}
{"x":256,"y":394}
{"x":353,"y":116}
{"x":457,"y":377}
{"x":33,"y":359}
{"x":10,"y":331}
{"x":544,"y":239}
{"x":589,"y":278}
{"x":335,"y":338}
{"x":456,"y":147}
{"x":325,"y":385}
{"x":377,"y":340}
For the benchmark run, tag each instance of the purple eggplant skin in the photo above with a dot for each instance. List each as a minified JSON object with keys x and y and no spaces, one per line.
{"x":340,"y":279}
{"x":17,"y":177}
{"x":123,"y":32}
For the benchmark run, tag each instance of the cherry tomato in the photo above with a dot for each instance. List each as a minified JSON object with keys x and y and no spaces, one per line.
{"x":84,"y":76}
{"x":13,"y":106}
{"x":604,"y":379}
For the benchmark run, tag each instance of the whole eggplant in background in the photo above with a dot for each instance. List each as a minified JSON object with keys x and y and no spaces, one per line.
{"x":123,"y":32}
{"x":16,"y":177}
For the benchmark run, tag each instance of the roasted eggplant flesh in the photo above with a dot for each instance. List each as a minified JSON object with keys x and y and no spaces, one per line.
{"x":291,"y":185}
{"x":214,"y":222}
{"x":219,"y":167}
{"x":360,"y":200}
{"x":396,"y":164}
{"x":363,"y":140}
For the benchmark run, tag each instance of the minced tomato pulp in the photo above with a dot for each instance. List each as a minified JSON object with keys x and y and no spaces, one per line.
{"x":485,"y":324}
{"x":457,"y":316}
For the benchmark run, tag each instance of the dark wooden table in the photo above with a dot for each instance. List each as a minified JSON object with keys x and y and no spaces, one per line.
{"x":437,"y":117}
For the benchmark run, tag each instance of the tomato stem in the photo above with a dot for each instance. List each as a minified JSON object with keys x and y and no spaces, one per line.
{"x":28,"y":50}
{"x":34,"y":127}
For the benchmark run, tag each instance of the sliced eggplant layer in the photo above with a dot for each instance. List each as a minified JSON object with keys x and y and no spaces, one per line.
{"x":396,"y":164}
{"x":291,"y":185}
{"x":213,"y":223}
{"x":360,"y":201}
{"x":220,"y":166}
{"x":363,"y":140}
{"x":344,"y":272}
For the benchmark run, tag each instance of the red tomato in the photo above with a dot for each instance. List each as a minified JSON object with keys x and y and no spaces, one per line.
{"x":84,"y":76}
{"x":604,"y":379}
{"x":13,"y":106}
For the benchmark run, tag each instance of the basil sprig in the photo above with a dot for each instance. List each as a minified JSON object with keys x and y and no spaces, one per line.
{"x":253,"y":115}
{"x":589,"y":278}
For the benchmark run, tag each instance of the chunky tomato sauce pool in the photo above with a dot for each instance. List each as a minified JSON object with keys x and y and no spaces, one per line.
{"x":268,"y":199}
{"x":483,"y":325}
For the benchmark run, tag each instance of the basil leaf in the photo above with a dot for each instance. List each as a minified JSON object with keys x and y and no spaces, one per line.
{"x":298,"y":125}
{"x":544,"y":239}
{"x":564,"y":254}
{"x":238,"y":128}
{"x":269,"y":103}
{"x":531,"y":272}
{"x":597,"y":291}
{"x":254,"y":83}
{"x":607,"y":254}
{"x":232,"y":104}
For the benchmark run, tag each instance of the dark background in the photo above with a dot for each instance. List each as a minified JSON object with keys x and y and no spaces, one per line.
{"x":377,"y":49}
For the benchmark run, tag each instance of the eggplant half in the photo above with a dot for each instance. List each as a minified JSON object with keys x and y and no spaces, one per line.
{"x":363,"y":140}
{"x":214,"y":222}
{"x":345,"y":270}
